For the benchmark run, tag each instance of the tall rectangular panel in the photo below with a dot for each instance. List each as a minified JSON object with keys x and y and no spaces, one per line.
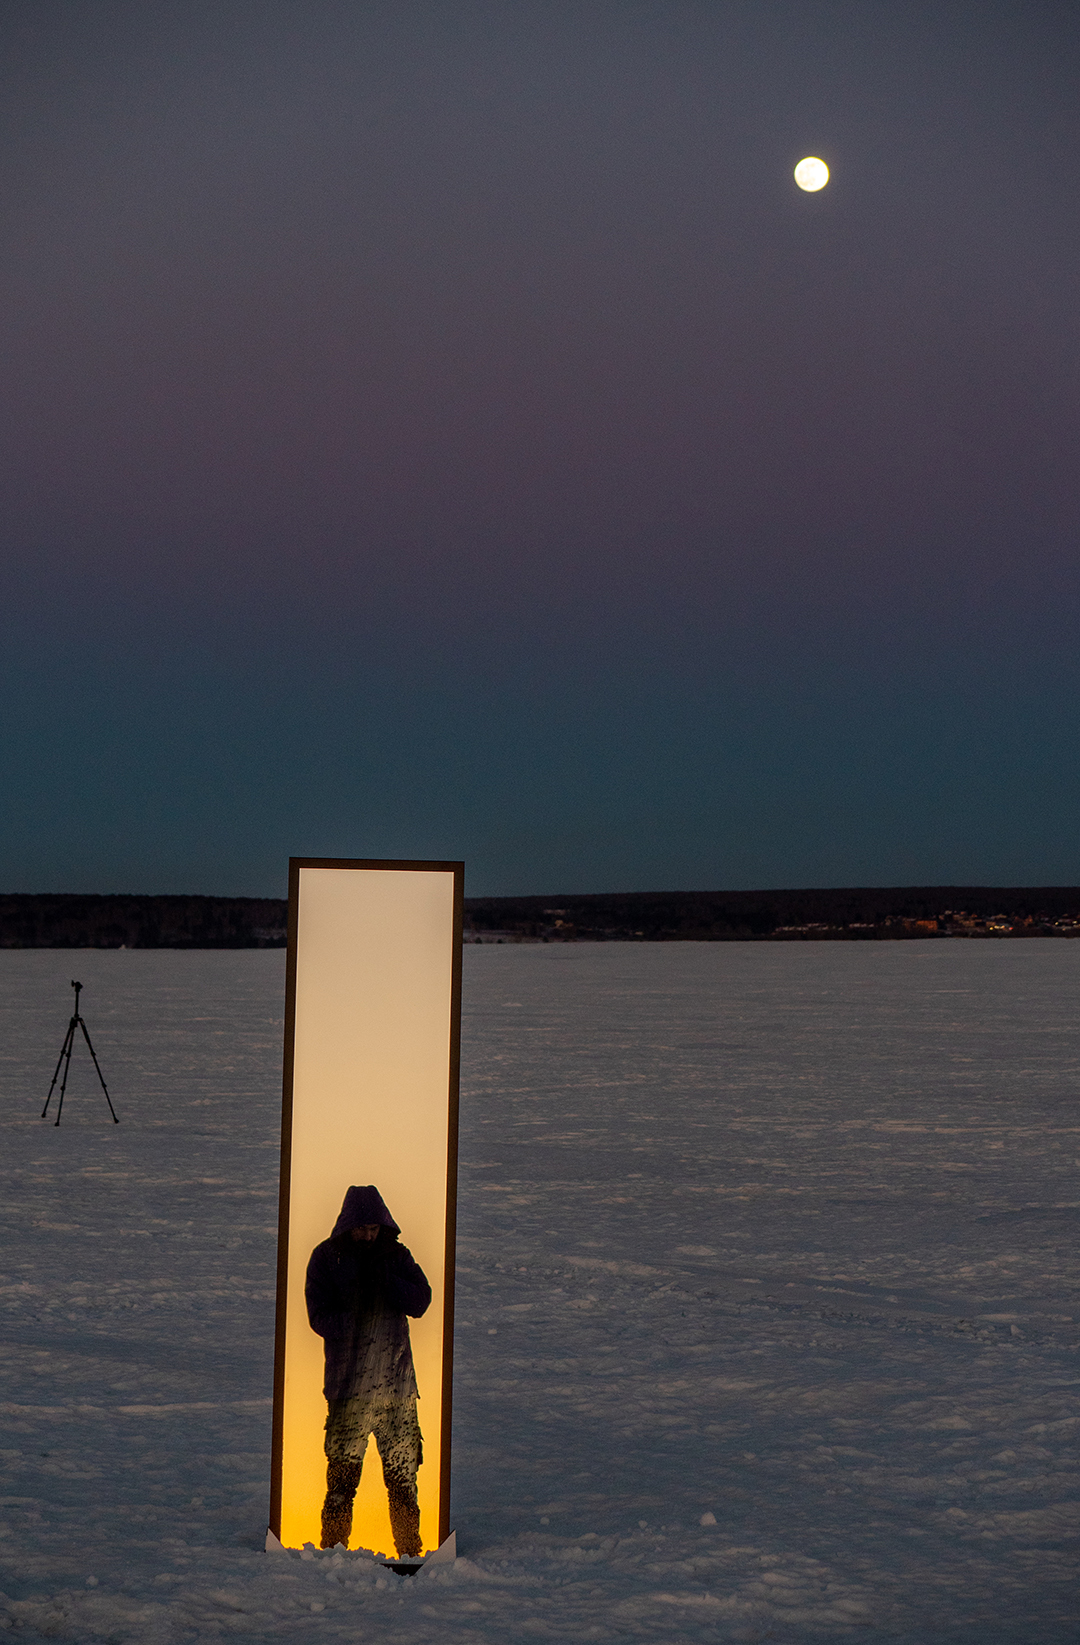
{"x":369,"y":1099}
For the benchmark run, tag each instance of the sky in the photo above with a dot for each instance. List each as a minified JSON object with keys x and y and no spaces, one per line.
{"x":446,"y":431}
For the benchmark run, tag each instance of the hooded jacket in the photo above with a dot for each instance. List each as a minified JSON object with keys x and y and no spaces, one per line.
{"x":358,"y":1296}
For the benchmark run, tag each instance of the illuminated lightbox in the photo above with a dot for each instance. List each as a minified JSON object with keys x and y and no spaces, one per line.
{"x":368,"y":1192}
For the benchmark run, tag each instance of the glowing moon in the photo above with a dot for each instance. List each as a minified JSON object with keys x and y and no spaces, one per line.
{"x":811,"y":174}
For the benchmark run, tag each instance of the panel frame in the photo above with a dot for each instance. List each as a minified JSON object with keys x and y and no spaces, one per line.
{"x":284,"y":1188}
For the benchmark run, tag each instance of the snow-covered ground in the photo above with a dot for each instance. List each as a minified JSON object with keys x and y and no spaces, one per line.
{"x":768,"y":1305}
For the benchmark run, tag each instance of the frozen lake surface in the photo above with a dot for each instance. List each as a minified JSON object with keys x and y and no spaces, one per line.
{"x":778,"y":1236}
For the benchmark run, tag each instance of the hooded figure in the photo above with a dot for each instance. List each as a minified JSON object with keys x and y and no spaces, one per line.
{"x":361,"y":1285}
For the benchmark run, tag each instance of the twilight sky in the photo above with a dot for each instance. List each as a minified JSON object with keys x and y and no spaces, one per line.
{"x":446,"y":430}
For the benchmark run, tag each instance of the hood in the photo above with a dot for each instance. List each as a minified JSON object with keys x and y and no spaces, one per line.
{"x":362,"y":1206}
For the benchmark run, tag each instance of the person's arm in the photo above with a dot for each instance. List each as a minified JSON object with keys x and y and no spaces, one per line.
{"x":322,"y":1294}
{"x":407,"y":1289}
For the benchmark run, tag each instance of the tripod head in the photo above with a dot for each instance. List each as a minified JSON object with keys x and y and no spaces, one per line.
{"x":78,"y":989}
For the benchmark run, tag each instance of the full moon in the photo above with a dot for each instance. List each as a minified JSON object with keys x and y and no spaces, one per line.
{"x":811,"y":174}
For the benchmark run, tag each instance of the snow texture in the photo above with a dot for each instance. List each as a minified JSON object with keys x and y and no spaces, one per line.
{"x":767,"y":1320}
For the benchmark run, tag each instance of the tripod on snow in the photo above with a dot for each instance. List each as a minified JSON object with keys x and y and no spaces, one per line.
{"x":64,"y":1060}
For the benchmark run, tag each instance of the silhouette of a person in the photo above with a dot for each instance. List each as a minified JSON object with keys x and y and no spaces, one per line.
{"x":361,"y":1286}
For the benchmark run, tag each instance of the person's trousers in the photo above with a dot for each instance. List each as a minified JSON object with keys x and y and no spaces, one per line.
{"x":349,"y":1425}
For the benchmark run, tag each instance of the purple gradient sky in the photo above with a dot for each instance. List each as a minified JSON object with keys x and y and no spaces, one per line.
{"x":445,"y":430}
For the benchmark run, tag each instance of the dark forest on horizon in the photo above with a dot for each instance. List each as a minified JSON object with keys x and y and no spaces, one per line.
{"x":60,"y":920}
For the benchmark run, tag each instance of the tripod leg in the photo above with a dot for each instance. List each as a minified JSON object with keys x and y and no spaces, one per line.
{"x":67,"y":1068}
{"x":100,"y":1075}
{"x":65,"y":1050}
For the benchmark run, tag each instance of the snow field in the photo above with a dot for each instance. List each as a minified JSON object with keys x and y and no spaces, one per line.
{"x":767,"y":1309}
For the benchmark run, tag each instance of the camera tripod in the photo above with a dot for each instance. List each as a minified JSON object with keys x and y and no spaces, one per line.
{"x":64,"y":1060}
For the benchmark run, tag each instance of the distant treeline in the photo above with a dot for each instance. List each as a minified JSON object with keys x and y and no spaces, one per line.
{"x":141,"y":922}
{"x":850,"y":915}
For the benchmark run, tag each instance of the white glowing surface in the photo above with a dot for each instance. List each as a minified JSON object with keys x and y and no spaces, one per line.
{"x":811,"y":174}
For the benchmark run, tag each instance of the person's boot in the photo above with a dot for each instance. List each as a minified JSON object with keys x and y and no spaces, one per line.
{"x":342,"y":1478}
{"x":404,"y":1517}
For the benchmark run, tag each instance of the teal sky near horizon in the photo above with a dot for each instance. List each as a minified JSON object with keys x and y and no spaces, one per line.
{"x":446,"y":430}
